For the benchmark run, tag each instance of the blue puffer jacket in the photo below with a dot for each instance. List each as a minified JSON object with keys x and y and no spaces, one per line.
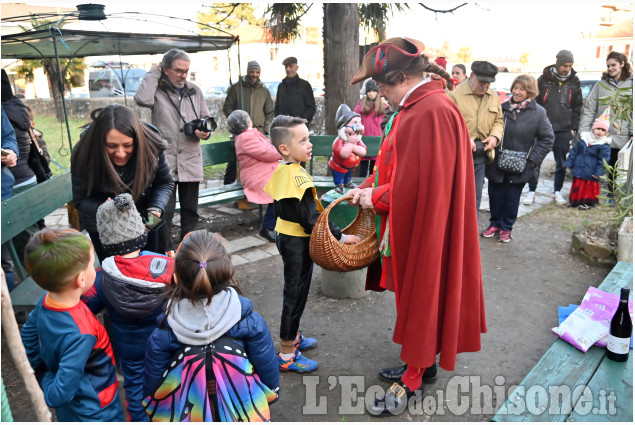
{"x":586,"y":161}
{"x":251,"y":331}
{"x":133,"y":292}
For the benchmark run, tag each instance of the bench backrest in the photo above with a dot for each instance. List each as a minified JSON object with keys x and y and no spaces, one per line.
{"x":26,"y":208}
{"x":222,"y":152}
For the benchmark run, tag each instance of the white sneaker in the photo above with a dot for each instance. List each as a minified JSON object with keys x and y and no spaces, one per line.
{"x":557,"y":196}
{"x":529,"y":198}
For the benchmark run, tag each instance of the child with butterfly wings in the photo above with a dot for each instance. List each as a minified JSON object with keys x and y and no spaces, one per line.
{"x":212,"y":356}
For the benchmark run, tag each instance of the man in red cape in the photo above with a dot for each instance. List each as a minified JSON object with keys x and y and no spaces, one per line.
{"x":423,"y":193}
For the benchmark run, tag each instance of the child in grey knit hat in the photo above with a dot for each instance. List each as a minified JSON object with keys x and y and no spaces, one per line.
{"x":121,"y":229}
{"x":132,"y":286}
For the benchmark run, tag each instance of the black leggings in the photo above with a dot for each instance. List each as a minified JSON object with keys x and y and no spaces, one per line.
{"x":298,"y":269}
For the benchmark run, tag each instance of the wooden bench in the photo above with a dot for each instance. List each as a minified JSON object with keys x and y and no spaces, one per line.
{"x":22,"y":211}
{"x":543,"y":395}
{"x":224,"y":152}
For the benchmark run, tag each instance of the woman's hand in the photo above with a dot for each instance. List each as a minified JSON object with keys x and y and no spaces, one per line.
{"x":362,"y":197}
{"x":10,"y":160}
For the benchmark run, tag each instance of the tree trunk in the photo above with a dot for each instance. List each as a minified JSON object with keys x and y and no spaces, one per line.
{"x":341,"y":58}
{"x":50,"y":67}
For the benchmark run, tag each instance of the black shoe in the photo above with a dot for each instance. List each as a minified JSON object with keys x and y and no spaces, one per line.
{"x":396,"y":400}
{"x":268,"y":234}
{"x":394,"y":374}
{"x":339,"y":188}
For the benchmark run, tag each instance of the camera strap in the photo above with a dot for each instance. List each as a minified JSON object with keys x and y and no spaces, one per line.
{"x":178,"y":111}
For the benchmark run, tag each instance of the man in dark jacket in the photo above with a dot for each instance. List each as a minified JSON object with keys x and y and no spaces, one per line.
{"x":560,"y":94}
{"x":295,"y":95}
{"x":251,"y":96}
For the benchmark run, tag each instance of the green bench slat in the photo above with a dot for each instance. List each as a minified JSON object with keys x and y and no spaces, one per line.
{"x":26,"y":208}
{"x":218,"y":153}
{"x":222,"y":198}
{"x":608,"y":377}
{"x":563,"y":364}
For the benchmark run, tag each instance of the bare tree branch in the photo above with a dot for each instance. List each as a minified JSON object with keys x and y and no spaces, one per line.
{"x":441,"y":11}
{"x":229,"y":14}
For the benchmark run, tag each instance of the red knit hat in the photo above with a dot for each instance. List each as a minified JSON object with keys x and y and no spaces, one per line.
{"x":388,"y":55}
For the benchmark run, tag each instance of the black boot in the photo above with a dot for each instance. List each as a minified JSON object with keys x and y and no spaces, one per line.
{"x":396,"y":400}
{"x":394,"y":374}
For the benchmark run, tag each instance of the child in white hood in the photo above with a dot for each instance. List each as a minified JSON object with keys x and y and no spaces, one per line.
{"x":586,"y":162}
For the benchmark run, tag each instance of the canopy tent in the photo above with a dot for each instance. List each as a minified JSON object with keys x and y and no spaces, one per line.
{"x":57,"y":43}
{"x":76,"y":44}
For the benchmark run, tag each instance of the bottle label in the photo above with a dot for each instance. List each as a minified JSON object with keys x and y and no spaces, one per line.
{"x":618,"y":345}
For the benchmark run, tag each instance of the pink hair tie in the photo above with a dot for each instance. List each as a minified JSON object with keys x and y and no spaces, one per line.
{"x":203,"y":264}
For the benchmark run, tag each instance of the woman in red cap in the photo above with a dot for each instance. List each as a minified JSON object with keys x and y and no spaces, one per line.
{"x":423,"y":194}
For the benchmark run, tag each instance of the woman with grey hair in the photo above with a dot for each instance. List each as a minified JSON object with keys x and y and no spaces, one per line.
{"x":257,"y":159}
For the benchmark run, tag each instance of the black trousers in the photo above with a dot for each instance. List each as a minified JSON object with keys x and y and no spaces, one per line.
{"x":230,"y":172}
{"x":560,"y":151}
{"x":504,"y":200}
{"x":298,"y":269}
{"x":188,"y":197}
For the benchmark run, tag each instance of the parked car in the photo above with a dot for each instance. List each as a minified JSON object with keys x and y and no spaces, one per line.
{"x":503,"y":95}
{"x":272,"y":86}
{"x":586,"y":86}
{"x":109,"y":79}
{"x":218,"y":91}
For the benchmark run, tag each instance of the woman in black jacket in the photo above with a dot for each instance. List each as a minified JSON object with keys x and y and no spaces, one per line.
{"x":528,"y":130}
{"x":118,"y":153}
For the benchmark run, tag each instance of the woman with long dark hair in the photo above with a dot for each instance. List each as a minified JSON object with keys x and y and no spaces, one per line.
{"x":618,"y":75}
{"x":118,"y":153}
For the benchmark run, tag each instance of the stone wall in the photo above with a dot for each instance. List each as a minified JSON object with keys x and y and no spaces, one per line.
{"x":81,"y":108}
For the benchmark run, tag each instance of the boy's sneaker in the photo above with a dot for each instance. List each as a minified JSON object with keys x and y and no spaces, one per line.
{"x":298,"y":363}
{"x":557,"y":196}
{"x":505,"y":236}
{"x":303,"y":343}
{"x":490,"y":231}
{"x":529,"y":198}
{"x":584,"y":207}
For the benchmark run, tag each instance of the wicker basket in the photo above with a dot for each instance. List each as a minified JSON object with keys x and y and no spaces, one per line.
{"x":330,"y":254}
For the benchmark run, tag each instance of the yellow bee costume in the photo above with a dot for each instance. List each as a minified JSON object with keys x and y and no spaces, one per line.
{"x":297,"y":208}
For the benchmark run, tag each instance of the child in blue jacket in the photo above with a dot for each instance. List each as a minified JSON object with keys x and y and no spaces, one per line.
{"x":64,"y":341}
{"x":204,"y":309}
{"x":586,"y":162}
{"x":131,"y":285}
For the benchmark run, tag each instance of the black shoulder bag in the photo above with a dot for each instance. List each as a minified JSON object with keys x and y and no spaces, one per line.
{"x":37,"y":161}
{"x":510,"y":161}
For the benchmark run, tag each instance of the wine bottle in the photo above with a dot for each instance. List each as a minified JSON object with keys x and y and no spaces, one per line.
{"x":619,"y":340}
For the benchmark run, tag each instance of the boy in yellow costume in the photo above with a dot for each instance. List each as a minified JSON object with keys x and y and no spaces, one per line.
{"x":297,"y":208}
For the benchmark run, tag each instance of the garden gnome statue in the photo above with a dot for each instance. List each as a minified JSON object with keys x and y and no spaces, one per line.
{"x":348,"y":148}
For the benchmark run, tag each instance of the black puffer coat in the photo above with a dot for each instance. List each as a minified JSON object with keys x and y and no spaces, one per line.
{"x":529,"y":132}
{"x":157,"y":194}
{"x":561,"y":99}
{"x":19,"y":117}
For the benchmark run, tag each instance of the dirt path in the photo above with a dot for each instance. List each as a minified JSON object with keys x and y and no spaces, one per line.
{"x":524,"y":283}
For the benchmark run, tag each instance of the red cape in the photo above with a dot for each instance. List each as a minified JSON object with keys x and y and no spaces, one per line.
{"x":436,"y":261}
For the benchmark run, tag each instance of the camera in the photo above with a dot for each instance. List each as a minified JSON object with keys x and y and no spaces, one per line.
{"x":201,"y":124}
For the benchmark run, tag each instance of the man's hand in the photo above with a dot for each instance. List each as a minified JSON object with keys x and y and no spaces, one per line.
{"x":352,"y":240}
{"x":490,"y":143}
{"x":473,"y":145}
{"x":202,"y":135}
{"x":10,"y":160}
{"x":362,"y":197}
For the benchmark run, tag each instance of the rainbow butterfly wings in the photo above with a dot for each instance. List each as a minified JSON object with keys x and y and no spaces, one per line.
{"x":237,"y":394}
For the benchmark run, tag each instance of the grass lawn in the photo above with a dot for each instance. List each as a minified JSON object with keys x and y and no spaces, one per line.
{"x":56,"y":138}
